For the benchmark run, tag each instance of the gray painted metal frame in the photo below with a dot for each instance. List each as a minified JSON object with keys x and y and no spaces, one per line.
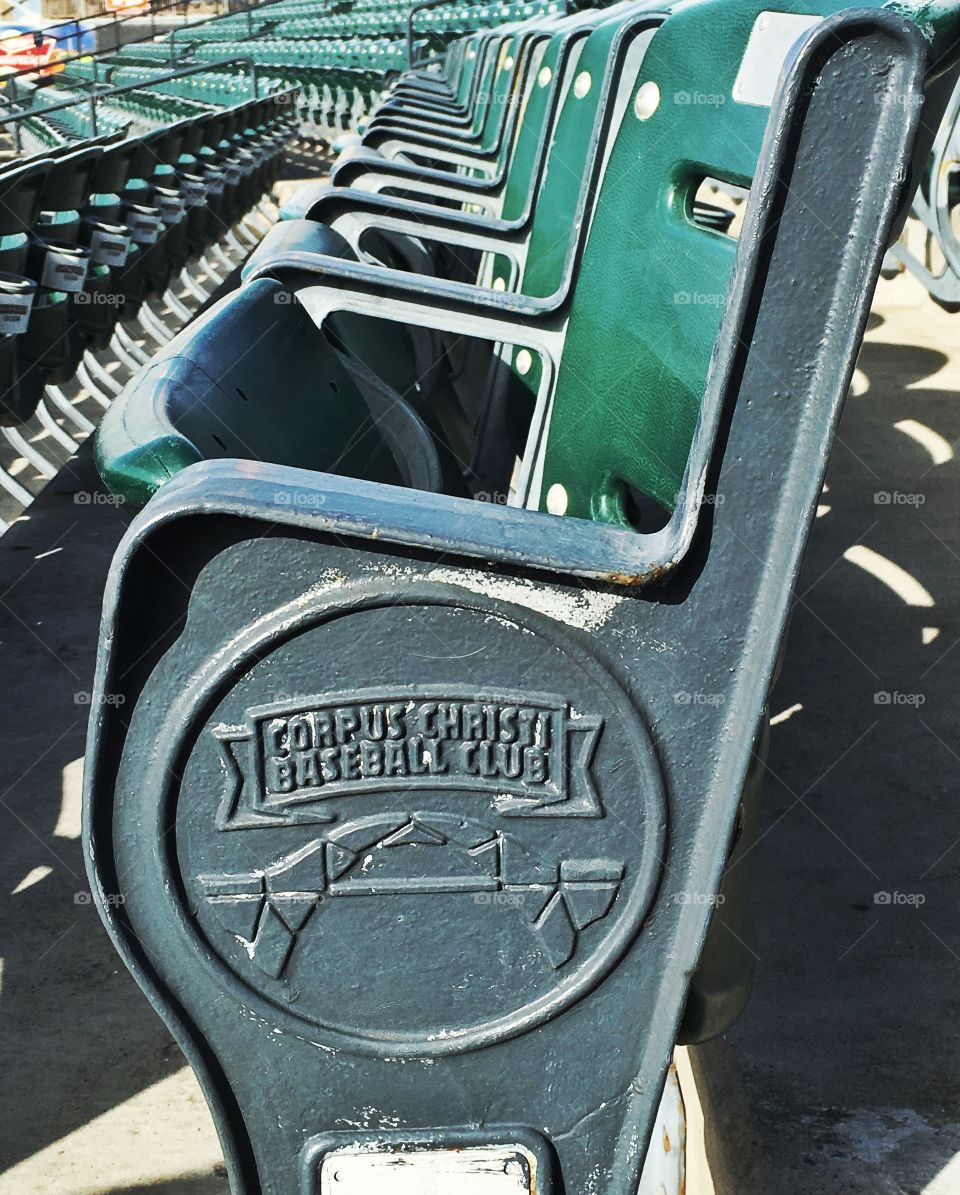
{"x":248,"y":599}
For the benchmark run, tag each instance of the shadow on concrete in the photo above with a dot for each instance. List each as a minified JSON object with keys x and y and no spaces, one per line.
{"x":203,"y":1185}
{"x":852,"y":1067}
{"x":76,"y":1035}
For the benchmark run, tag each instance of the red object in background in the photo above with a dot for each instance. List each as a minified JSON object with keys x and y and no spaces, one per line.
{"x":28,"y":50}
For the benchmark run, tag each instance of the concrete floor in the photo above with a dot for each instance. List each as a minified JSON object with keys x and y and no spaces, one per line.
{"x":850,"y":1049}
{"x":848,"y":1055}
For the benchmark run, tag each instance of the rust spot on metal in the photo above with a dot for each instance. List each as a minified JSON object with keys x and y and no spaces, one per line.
{"x":656,"y":574}
{"x":666,"y":1142}
{"x":628,"y":579}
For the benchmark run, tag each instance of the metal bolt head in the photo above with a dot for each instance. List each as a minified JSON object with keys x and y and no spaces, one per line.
{"x":647,"y":101}
{"x":557,"y":499}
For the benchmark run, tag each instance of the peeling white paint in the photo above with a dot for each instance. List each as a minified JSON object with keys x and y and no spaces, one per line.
{"x":587,"y":610}
{"x":247,"y":946}
{"x":326,"y":578}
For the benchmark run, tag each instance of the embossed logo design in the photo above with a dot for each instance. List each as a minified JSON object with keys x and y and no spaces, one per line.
{"x":528,"y":753}
{"x":420,"y":867}
{"x":268,"y":909}
{"x":527,"y":757}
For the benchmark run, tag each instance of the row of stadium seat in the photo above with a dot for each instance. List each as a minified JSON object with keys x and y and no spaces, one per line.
{"x":435,"y":26}
{"x":341,"y":68}
{"x":321,"y":85}
{"x":465,"y":191}
{"x":341,"y":59}
{"x":537,"y":112}
{"x":516,"y":287}
{"x":90,"y":228}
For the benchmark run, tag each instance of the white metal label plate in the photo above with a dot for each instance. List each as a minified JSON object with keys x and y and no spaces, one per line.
{"x":773,"y":35}
{"x":472,"y":1170}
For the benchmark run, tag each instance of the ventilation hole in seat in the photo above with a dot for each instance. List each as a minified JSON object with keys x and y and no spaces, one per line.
{"x":241,"y":393}
{"x":644,"y":513}
{"x":219,"y":441}
{"x":719,"y":206}
{"x":333,"y":387}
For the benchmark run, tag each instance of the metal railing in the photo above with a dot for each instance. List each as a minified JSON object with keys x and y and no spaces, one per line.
{"x":17,"y":118}
{"x":411,"y":46}
{"x":117,"y":22}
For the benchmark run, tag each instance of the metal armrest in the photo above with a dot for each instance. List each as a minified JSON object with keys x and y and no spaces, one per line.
{"x":356,"y":165}
{"x":398,"y":139}
{"x":337,"y":202}
{"x":370,"y":285}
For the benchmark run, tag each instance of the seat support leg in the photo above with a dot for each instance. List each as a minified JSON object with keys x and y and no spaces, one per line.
{"x":69,"y":411}
{"x":102,"y":376}
{"x":17,"y":440}
{"x":54,"y":430}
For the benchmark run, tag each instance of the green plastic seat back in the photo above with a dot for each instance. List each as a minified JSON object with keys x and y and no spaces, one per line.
{"x":550,"y":85}
{"x":504,"y":74}
{"x":21,"y":188}
{"x":481,"y":51}
{"x":636,"y":355}
{"x":505,"y":65}
{"x":67,"y":185}
{"x":575,"y":133}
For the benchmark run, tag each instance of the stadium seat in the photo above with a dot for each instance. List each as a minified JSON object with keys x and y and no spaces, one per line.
{"x":401,"y":802}
{"x":116,"y":454}
{"x":21,"y":189}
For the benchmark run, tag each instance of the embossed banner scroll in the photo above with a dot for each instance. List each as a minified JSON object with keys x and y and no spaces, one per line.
{"x":530,"y":755}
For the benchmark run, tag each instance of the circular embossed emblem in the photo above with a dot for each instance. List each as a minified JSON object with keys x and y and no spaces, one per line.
{"x":419,"y":827}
